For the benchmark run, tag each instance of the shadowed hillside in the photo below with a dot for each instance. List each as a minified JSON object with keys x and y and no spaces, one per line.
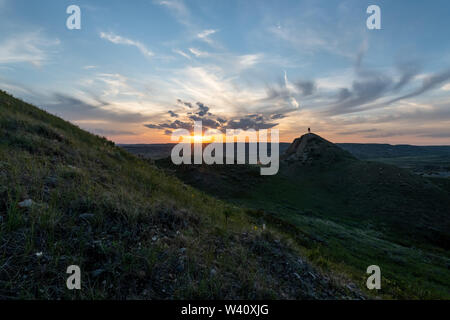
{"x":348,"y":213}
{"x":406,"y":205}
{"x":312,"y":149}
{"x":68,"y":197}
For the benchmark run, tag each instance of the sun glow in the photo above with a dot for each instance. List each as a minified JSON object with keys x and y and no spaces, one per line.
{"x":201,"y":138}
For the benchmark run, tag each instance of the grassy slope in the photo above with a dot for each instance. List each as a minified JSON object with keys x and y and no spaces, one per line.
{"x":135,"y":232}
{"x":351,"y":215}
{"x":365,"y":213}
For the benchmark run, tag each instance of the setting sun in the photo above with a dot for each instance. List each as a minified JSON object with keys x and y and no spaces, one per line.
{"x":201,"y":138}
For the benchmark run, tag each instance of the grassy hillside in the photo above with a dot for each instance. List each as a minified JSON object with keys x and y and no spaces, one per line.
{"x":348,"y":214}
{"x":69,"y":197}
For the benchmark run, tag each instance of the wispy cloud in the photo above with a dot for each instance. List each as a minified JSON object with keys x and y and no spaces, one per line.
{"x":248,"y":60}
{"x":183,"y":15}
{"x":182,"y":53}
{"x":198,"y":53}
{"x":31,"y":48}
{"x":204,"y":35}
{"x":429,"y":83}
{"x":291,"y":89}
{"x":76,"y":109}
{"x":178,"y":8}
{"x":116,"y":39}
{"x":109,"y":132}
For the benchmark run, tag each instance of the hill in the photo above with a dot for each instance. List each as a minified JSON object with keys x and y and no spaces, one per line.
{"x":313,"y":149}
{"x":68,"y":197}
{"x":403,"y":203}
{"x":347,"y":213}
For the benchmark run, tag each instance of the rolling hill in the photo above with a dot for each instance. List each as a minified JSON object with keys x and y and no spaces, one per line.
{"x":68,"y":197}
{"x":348,"y":213}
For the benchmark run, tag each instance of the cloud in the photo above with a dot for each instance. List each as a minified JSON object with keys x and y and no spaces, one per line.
{"x":198,"y":53}
{"x":116,"y":39}
{"x":306,"y":88}
{"x":177,"y":124}
{"x":290,"y":91}
{"x":184,"y":103}
{"x":17,"y":89}
{"x":370,"y":86}
{"x":363,"y":91}
{"x":353,"y":132}
{"x":208,"y":123}
{"x":277,"y":116}
{"x":178,"y":8}
{"x":317,"y":33}
{"x":182,"y":53}
{"x":284,"y":95}
{"x":74,"y":109}
{"x":183,"y":15}
{"x":202,"y":109}
{"x":173,"y":114}
{"x":374,"y":90}
{"x":408,"y":71}
{"x":204,"y":35}
{"x":27,"y":47}
{"x":436,"y":135}
{"x":114,"y":85}
{"x":175,"y":5}
{"x":109,"y":132}
{"x":249,"y":123}
{"x":429,"y":83}
{"x":294,"y":102}
{"x":212,"y":84}
{"x":248,"y":60}
{"x":343,"y":94}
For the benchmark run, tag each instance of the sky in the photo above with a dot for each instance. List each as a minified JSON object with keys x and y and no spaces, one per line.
{"x":136,"y":71}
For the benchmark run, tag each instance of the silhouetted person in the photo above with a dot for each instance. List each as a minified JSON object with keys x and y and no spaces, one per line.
{"x":309,"y":130}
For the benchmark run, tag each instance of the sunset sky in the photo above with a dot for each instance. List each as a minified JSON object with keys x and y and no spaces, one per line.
{"x":137,"y":70}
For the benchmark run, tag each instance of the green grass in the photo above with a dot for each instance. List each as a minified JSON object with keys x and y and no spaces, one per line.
{"x":353,"y":236}
{"x":419,"y":163}
{"x":348,"y":216}
{"x":135,"y":232}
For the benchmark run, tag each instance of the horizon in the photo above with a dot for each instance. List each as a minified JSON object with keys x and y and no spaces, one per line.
{"x":286,"y":142}
{"x":136,"y":74}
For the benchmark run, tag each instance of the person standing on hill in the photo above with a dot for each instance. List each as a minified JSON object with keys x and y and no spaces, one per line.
{"x":309,"y":130}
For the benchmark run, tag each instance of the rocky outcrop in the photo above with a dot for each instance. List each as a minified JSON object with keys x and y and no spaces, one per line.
{"x":311,"y":148}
